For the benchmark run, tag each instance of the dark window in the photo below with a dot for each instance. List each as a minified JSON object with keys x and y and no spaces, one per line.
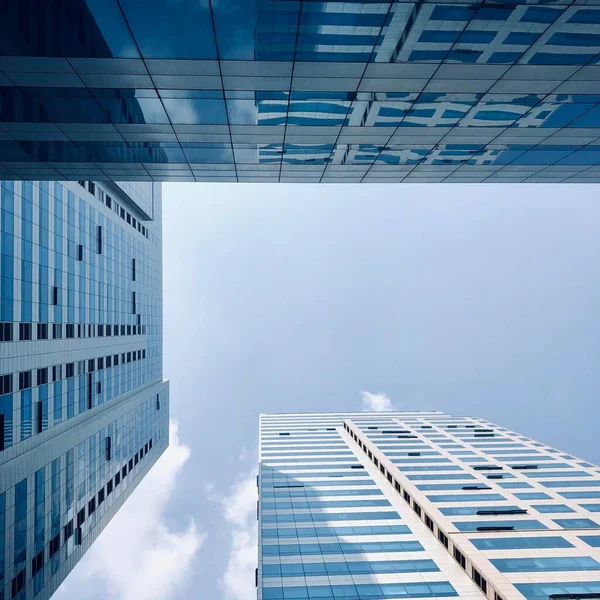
{"x":133,"y":269}
{"x":100,"y":330}
{"x":78,"y":536}
{"x":109,"y":487}
{"x":54,"y":545}
{"x":100,"y":363}
{"x":99,"y":239}
{"x":24,"y":331}
{"x":81,"y":517}
{"x":136,"y":459}
{"x":6,"y":332}
{"x":56,"y":331}
{"x":39,"y":416}
{"x":5,"y":384}
{"x":124,"y":472}
{"x":116,"y":360}
{"x":18,"y":583}
{"x":56,"y":372}
{"x":91,"y":365}
{"x":443,"y":538}
{"x":429,"y":522}
{"x":480,"y":581}
{"x":37,"y":563}
{"x":42,"y":331}
{"x":146,"y":447}
{"x":406,"y":496}
{"x":459,"y":557}
{"x":108,"y":362}
{"x":397,"y":486}
{"x":68,"y":530}
{"x":99,"y":387}
{"x":108,"y":447}
{"x":55,"y":296}
{"x":108,"y":200}
{"x":389,"y":477}
{"x":80,"y":252}
{"x":150,"y":444}
{"x":92,"y":506}
{"x":117,"y":479}
{"x":100,"y":496}
{"x":70,"y":369}
{"x":130,"y":464}
{"x":42,"y":376}
{"x":24,"y":380}
{"x":81,"y":183}
{"x":417,"y":508}
{"x":92,"y":188}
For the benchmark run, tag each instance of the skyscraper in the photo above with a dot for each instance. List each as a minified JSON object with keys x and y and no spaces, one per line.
{"x":421,"y":505}
{"x":83,"y":406}
{"x":301,"y":90}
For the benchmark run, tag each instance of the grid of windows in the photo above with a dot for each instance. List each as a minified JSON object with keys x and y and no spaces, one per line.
{"x":493,"y":533}
{"x":264,"y":90}
{"x":80,"y":374}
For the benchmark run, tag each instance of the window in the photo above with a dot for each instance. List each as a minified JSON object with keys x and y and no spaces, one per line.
{"x":81,"y":517}
{"x":479,"y":580}
{"x":417,"y":508}
{"x":54,"y":545}
{"x":18,"y":583}
{"x":70,"y":370}
{"x":429,"y":522}
{"x":108,"y":201}
{"x":99,"y":239}
{"x":6,"y":332}
{"x":80,"y":252}
{"x":92,"y":506}
{"x":92,"y":188}
{"x":406,"y":496}
{"x":24,"y":380}
{"x":101,"y":496}
{"x":37,"y":563}
{"x":5,"y":384}
{"x":42,"y":331}
{"x":100,"y":363}
{"x":133,"y":269}
{"x":24,"y":331}
{"x":518,"y":543}
{"x":56,"y":331}
{"x":108,"y":447}
{"x":56,"y":372}
{"x":68,"y":530}
{"x":523,"y":565}
{"x":124,"y":472}
{"x":443,"y":538}
{"x":109,"y":487}
{"x":459,"y":557}
{"x":576,"y":523}
{"x":117,"y":479}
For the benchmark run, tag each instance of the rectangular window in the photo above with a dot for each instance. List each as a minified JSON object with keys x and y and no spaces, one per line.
{"x":5,"y":384}
{"x":81,"y":517}
{"x":117,"y":479}
{"x":24,"y":380}
{"x":99,"y":239}
{"x":6,"y":332}
{"x":124,"y":472}
{"x":56,"y":331}
{"x":18,"y":583}
{"x":459,"y":557}
{"x":108,"y":201}
{"x":39,"y":416}
{"x":42,"y":331}
{"x":92,"y":506}
{"x":92,"y":188}
{"x":109,"y":487}
{"x":417,"y":508}
{"x":479,"y":580}
{"x":406,"y":496}
{"x":443,"y":538}
{"x":100,"y":496}
{"x":54,"y":545}
{"x":429,"y":522}
{"x":68,"y":530}
{"x":42,"y":376}
{"x":70,"y":370}
{"x":80,"y":252}
{"x":55,"y":296}
{"x":133,"y":269}
{"x":24,"y":331}
{"x":108,"y":447}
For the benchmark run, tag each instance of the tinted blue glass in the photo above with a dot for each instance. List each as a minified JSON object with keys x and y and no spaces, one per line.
{"x":537,"y":591}
{"x":521,"y":565}
{"x":516,"y":525}
{"x":518,"y":543}
{"x":473,"y":510}
{"x":591,"y":507}
{"x":466,"y":498}
{"x":591,"y":540}
{"x":577,"y":523}
{"x":185,"y":28}
{"x":533,"y":496}
{"x":552,"y":508}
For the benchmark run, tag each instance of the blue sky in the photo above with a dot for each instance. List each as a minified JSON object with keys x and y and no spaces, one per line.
{"x":473,"y":300}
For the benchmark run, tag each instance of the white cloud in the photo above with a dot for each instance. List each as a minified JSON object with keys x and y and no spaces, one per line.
{"x":137,"y":556}
{"x":376,"y":402}
{"x":239,"y":510}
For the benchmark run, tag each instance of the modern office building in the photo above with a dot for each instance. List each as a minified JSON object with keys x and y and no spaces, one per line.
{"x":83,"y":407}
{"x":403,"y":505}
{"x":300,"y":90}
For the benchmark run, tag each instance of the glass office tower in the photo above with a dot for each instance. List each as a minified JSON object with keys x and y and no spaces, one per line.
{"x":301,"y":90}
{"x":403,"y":505}
{"x":83,"y":407}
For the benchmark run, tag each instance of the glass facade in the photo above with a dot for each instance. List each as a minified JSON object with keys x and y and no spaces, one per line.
{"x":341,"y":516}
{"x":301,"y":90}
{"x":83,"y":406}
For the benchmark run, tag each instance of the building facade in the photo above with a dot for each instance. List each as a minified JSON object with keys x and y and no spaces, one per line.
{"x":421,"y":505}
{"x":83,"y":405}
{"x":301,"y":90}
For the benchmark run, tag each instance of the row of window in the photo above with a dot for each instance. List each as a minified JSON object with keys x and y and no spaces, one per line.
{"x":73,"y":528}
{"x":114,"y":205}
{"x":55,"y":372}
{"x":67,"y":330}
{"x":431,"y":525}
